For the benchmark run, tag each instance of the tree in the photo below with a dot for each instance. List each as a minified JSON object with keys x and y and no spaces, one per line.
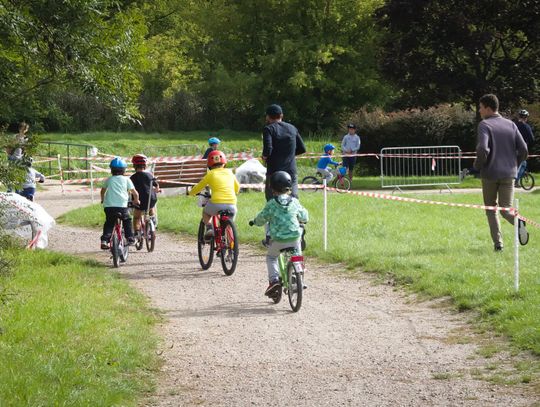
{"x":457,"y":50}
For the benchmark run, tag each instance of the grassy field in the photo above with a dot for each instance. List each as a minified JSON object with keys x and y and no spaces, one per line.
{"x":72,"y":334}
{"x":434,"y":250}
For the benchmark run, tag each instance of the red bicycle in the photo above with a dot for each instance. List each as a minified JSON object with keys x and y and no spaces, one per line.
{"x":118,"y":242}
{"x":224,"y":244}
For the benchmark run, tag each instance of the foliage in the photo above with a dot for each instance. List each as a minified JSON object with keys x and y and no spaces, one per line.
{"x":450,"y":51}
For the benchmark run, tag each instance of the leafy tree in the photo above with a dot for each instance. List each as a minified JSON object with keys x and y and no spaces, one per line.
{"x":457,"y":50}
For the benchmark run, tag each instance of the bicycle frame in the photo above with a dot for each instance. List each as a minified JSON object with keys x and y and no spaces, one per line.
{"x":218,"y":231}
{"x":284,"y":259}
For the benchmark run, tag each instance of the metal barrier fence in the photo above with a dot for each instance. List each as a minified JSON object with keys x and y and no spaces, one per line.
{"x":420,"y":166}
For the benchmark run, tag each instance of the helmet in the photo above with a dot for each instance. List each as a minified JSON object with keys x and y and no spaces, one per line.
{"x":117,"y":162}
{"x":351,"y":126}
{"x":213,"y":140}
{"x":216,"y":157}
{"x":280,"y":181}
{"x":328,"y":147}
{"x":523,"y":113}
{"x":139,"y":159}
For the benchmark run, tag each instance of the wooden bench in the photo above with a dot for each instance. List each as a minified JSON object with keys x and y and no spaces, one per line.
{"x":180,"y":174}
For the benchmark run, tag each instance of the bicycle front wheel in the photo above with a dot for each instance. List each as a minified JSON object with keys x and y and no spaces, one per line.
{"x":204,"y":248}
{"x":311,"y":181}
{"x":115,"y":250}
{"x":342,"y":184}
{"x":150,"y":235}
{"x":296,"y":287}
{"x":527,"y":181}
{"x":229,"y":247}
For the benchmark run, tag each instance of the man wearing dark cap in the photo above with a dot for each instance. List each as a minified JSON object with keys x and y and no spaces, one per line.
{"x":349,"y":147}
{"x":281,"y":143}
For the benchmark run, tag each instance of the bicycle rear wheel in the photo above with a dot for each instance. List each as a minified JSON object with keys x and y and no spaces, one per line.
{"x":205,"y":249}
{"x":527,"y":181}
{"x":115,"y":250}
{"x":296,"y":287}
{"x":229,"y":247}
{"x":342,"y":184}
{"x":311,"y":181}
{"x":150,"y":235}
{"x":124,"y":249}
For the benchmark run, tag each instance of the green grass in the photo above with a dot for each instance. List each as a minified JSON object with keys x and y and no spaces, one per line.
{"x":72,"y":333}
{"x":434,"y":250}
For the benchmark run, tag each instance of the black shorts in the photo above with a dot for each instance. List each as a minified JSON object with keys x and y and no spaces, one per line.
{"x":144,"y":204}
{"x":349,"y":162}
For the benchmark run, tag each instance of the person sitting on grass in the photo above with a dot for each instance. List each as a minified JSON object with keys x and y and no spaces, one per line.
{"x":324,"y":161}
{"x":29,"y":186}
{"x":147,"y":188}
{"x":223,"y":186}
{"x":213,"y":142}
{"x":283,"y":214}
{"x":115,"y":195}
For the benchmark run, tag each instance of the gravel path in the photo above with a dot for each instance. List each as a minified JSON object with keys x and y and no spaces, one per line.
{"x":353,"y":343}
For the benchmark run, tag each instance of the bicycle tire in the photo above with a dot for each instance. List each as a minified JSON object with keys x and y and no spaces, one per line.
{"x":310,"y":180}
{"x":205,"y":259}
{"x":115,"y":251}
{"x":150,"y":235}
{"x":342,"y":184}
{"x":124,"y":249}
{"x":527,"y":181}
{"x":296,"y":287}
{"x":229,"y":253}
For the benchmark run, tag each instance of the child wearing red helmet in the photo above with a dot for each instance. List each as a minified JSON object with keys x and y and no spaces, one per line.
{"x":147,"y":187}
{"x":224,"y":188}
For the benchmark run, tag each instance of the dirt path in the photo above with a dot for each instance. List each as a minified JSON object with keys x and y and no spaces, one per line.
{"x":353,"y":343}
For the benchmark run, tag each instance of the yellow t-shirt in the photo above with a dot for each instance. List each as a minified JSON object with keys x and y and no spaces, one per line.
{"x":222,"y":183}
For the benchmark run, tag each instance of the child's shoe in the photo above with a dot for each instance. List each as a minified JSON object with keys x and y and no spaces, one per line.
{"x":104,"y":245}
{"x":131,"y":241}
{"x":209,"y":233}
{"x":272,"y":288}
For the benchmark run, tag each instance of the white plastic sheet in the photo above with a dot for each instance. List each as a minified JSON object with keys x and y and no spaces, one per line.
{"x":25,"y":219}
{"x":251,"y":172}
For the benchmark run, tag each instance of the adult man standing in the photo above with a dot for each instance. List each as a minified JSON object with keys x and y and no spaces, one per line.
{"x":500,"y":147}
{"x":281,"y":143}
{"x":350,"y":146}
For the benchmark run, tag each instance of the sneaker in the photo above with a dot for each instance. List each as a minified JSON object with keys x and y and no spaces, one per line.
{"x":131,"y":241}
{"x":104,"y":245}
{"x":272,"y":288}
{"x":498,"y":247}
{"x":523,"y":234}
{"x":209,"y":233}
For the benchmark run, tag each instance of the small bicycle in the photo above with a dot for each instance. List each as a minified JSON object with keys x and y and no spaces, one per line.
{"x":146,"y":233}
{"x":526,"y":180}
{"x":340,"y":181}
{"x":224,"y":243}
{"x":118,"y":243}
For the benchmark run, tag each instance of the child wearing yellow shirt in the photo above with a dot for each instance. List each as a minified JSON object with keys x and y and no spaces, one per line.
{"x":224,"y":188}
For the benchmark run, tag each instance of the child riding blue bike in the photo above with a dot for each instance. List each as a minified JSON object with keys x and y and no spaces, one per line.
{"x":325,"y":160}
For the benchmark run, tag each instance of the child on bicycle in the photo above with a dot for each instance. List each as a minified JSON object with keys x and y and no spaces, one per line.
{"x":324,"y":161}
{"x":147,"y":188}
{"x":223,"y":186}
{"x":115,"y":195}
{"x":283,"y":214}
{"x":213,"y":142}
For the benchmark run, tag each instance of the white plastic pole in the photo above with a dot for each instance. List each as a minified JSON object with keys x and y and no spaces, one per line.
{"x":325,"y":216}
{"x":61,"y":173}
{"x":92,"y":182}
{"x":516,"y":246}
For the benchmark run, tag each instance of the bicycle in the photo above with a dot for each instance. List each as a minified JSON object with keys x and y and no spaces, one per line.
{"x":146,"y":233}
{"x":224,"y":242}
{"x":526,"y":180}
{"x":340,"y":182}
{"x":118,"y":242}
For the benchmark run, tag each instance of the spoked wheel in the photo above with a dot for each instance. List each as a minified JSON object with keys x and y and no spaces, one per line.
{"x":527,"y":181}
{"x":124,"y":249}
{"x":311,"y":181}
{"x":342,"y":184}
{"x":296,"y":287}
{"x":115,"y":250}
{"x":205,"y":249}
{"x":229,"y":252}
{"x":150,"y":235}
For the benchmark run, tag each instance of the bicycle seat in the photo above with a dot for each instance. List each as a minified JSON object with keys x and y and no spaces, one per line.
{"x":226,"y":212}
{"x":119,"y":215}
{"x":288,"y":250}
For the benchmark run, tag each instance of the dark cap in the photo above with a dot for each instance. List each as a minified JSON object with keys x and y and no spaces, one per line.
{"x":274,"y":110}
{"x":351,"y":126}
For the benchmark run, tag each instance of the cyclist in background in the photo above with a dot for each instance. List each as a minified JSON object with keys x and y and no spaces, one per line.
{"x":283,"y":213}
{"x":527,"y":134}
{"x":325,"y":160}
{"x":114,"y":197}
{"x":147,"y":188}
{"x":213,"y":142}
{"x":29,"y":186}
{"x":224,"y":188}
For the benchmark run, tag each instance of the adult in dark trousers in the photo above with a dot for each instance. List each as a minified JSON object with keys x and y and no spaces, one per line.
{"x":281,"y":144}
{"x":350,"y":145}
{"x":527,"y":133}
{"x":500,"y":148}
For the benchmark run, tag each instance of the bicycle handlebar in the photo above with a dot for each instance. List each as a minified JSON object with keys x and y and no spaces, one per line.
{"x":251,"y":223}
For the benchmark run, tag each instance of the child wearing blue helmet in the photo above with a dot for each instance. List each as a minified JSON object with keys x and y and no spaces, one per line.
{"x":325,"y":160}
{"x":114,"y":197}
{"x":213,"y":142}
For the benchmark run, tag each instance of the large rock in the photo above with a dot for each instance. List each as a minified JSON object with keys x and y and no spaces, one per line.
{"x":251,"y":172}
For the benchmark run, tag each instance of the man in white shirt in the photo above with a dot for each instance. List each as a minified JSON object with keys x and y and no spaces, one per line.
{"x":349,"y":147}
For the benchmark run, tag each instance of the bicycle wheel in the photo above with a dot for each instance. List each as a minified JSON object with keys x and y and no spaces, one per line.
{"x":527,"y":181}
{"x":115,"y":250}
{"x":311,"y":181}
{"x":139,"y":237}
{"x":229,"y":251}
{"x":296,"y":287}
{"x":342,"y":184}
{"x":150,"y":235}
{"x":205,"y":249}
{"x":124,"y":249}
